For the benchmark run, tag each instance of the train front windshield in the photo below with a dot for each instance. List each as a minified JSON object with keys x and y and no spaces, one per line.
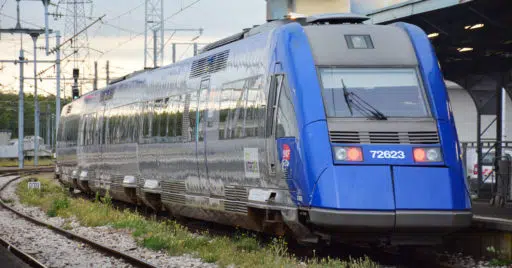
{"x":378,"y":93}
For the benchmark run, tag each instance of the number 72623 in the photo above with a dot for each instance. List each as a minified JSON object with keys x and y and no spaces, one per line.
{"x":388,"y":154}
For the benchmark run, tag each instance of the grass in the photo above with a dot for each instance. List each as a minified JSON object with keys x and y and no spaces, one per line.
{"x":28,"y":163}
{"x":498,"y":258}
{"x":240,"y":250}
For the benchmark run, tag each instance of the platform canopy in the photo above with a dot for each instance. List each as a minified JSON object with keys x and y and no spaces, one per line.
{"x":277,"y":9}
{"x":471,"y":37}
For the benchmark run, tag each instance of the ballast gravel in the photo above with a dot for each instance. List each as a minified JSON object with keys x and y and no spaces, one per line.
{"x":120,"y":240}
{"x":49,"y":248}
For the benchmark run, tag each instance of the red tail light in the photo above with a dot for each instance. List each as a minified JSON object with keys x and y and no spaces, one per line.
{"x":475,"y":169}
{"x":354,"y":154}
{"x":419,"y":155}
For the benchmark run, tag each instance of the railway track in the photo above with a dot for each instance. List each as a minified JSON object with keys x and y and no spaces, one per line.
{"x":19,"y":255}
{"x":61,"y":232}
{"x":386,"y":257}
{"x":6,"y":171}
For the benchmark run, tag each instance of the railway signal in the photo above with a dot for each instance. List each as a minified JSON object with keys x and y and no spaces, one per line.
{"x":74,"y":88}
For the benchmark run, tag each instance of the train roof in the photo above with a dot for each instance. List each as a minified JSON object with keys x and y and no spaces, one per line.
{"x":332,"y":18}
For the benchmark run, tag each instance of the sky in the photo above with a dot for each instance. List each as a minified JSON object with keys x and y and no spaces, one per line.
{"x":119,"y":37}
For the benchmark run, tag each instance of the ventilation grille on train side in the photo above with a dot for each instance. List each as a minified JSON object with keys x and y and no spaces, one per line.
{"x":210,"y":64}
{"x":177,"y":187}
{"x":418,"y":137}
{"x":237,"y":207}
{"x":173,"y":198}
{"x":236,"y":193}
{"x":236,"y":199}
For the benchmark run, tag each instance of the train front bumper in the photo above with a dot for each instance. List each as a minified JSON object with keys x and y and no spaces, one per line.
{"x":390,"y":199}
{"x":406,"y":220}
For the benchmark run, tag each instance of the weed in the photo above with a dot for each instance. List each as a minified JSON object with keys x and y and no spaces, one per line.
{"x":247,"y":244}
{"x":8,"y":201}
{"x":498,"y":257}
{"x":107,"y":200}
{"x":241,"y":250}
{"x":57,"y":205}
{"x":156,"y":243}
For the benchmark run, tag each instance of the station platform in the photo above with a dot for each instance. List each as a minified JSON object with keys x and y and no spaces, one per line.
{"x":7,"y":259}
{"x":492,"y":217}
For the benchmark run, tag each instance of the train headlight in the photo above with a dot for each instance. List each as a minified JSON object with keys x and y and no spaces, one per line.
{"x":432,"y":154}
{"x":353,"y":154}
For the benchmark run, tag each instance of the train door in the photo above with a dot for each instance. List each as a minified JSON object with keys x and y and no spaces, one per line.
{"x":276,"y":82}
{"x":202,"y":126}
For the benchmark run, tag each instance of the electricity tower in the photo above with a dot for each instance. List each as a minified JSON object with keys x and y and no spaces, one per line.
{"x":154,"y":33}
{"x":76,"y":14}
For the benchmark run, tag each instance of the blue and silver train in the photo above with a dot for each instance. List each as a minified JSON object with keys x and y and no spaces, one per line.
{"x":320,"y":127}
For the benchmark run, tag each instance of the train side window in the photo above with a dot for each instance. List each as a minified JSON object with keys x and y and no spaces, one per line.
{"x":189,"y":119}
{"x":156,"y":118}
{"x":236,"y":111}
{"x":286,"y":121}
{"x":224,"y":111}
{"x":239,"y":116}
{"x":118,"y":127}
{"x":103,"y":129}
{"x":251,"y":116}
{"x":168,"y":120}
{"x":83,"y":139}
{"x":123,"y":125}
{"x":275,"y":84}
{"x":179,"y":108}
{"x":110,"y":127}
{"x":88,"y":128}
{"x":113,"y":127}
{"x":92,"y":126}
{"x":202,"y":108}
{"x":171,"y":120}
{"x":147,"y":120}
{"x":135,"y":122}
{"x":164,"y":116}
{"x":74,"y":130}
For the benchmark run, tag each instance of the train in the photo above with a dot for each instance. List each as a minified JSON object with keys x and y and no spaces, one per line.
{"x":321,"y":128}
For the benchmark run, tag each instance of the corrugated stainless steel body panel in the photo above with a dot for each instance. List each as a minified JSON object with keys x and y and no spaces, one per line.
{"x":205,"y":165}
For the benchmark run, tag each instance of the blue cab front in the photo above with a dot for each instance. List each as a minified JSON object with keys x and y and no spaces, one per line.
{"x":377,"y":147}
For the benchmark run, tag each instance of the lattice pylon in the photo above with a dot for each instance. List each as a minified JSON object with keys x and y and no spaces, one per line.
{"x":76,"y":14}
{"x":154,"y":33}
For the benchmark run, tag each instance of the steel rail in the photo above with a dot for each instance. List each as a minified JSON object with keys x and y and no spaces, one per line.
{"x":24,"y":257}
{"x":16,"y":170}
{"x":100,"y":247}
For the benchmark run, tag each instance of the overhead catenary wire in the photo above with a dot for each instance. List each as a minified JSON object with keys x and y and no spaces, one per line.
{"x":108,"y":23}
{"x":142,"y":33}
{"x":24,"y":21}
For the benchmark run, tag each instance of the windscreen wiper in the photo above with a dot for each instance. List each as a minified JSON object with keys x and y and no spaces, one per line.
{"x":365,"y":108}
{"x":369,"y":111}
{"x":346,"y":95}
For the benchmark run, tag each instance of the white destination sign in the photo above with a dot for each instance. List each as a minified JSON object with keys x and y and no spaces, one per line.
{"x":34,"y":185}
